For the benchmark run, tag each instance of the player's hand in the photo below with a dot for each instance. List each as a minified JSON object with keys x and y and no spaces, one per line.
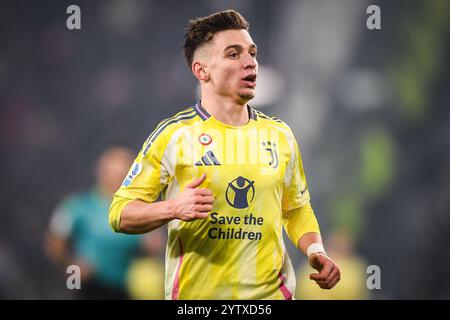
{"x":194,"y":203}
{"x":329,"y":273}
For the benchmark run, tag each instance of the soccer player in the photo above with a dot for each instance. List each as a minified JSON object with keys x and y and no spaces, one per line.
{"x":230,"y":178}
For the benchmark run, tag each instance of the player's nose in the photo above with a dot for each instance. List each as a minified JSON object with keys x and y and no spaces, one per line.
{"x":250,"y":61}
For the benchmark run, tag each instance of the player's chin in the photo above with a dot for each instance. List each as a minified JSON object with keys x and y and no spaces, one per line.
{"x":247,"y":94}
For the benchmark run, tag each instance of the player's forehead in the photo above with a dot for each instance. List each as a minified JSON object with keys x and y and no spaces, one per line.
{"x":225,"y":39}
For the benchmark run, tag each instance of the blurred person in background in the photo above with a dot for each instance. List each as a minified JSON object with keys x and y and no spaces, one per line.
{"x":225,"y":238}
{"x":351,"y":287}
{"x":79,"y":233}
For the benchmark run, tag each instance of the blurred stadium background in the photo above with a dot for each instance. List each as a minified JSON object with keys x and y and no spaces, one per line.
{"x":370,"y":109}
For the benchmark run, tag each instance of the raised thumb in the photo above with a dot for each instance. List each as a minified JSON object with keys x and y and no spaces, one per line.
{"x":196,"y":182}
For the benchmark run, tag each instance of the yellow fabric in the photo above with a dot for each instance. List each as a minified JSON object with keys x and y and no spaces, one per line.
{"x":256,"y":174}
{"x":300,"y":221}
{"x":145,"y":279}
{"x":116,"y":208}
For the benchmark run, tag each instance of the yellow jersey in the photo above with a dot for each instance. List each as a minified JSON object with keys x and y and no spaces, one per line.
{"x":256,"y":174}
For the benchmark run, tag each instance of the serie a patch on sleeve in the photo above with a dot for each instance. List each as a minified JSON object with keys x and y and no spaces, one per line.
{"x":136,"y":169}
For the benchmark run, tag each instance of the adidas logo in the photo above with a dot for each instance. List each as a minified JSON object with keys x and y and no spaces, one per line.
{"x":209,"y":159}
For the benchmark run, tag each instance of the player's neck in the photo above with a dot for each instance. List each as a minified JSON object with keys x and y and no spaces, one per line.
{"x":226,"y":111}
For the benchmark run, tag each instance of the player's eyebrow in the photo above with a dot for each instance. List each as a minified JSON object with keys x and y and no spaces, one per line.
{"x":239,"y":48}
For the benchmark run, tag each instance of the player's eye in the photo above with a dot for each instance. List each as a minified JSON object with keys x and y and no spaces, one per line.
{"x":233,"y":55}
{"x":253,"y":54}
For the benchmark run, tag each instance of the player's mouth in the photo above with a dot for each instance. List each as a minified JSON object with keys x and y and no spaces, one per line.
{"x":250,"y":80}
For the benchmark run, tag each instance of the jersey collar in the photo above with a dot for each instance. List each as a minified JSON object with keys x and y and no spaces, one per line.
{"x":204,"y":115}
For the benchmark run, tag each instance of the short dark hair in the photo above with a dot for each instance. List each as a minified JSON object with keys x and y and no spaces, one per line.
{"x":201,"y":30}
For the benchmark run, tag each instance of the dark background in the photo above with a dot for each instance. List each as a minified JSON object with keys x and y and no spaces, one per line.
{"x":370,"y":109}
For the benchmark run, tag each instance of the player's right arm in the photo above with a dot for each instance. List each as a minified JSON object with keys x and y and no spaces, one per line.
{"x":193,"y":203}
{"x":134,"y":208}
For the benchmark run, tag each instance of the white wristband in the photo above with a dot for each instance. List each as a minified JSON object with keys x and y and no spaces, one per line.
{"x":315,"y":248}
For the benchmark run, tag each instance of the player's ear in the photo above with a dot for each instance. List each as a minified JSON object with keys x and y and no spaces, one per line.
{"x":199,"y":71}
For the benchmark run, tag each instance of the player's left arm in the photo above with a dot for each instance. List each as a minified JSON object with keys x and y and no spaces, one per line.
{"x":300,"y":221}
{"x":328,"y":272}
{"x":302,"y":228}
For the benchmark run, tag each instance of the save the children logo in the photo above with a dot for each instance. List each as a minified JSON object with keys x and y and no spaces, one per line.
{"x":240,"y":192}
